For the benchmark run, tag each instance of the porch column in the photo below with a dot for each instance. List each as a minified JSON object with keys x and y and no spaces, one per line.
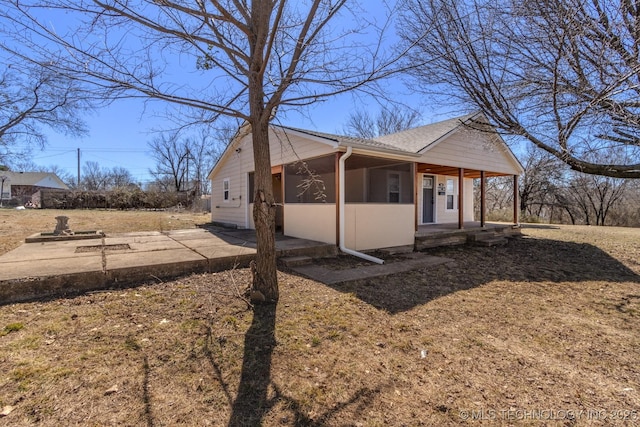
{"x":516,"y":204}
{"x":483,"y":200}
{"x":337,"y":175}
{"x":415,"y":195}
{"x":283,"y":197}
{"x":460,"y":198}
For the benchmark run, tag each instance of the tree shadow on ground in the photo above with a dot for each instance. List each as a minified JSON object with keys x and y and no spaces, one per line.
{"x":145,"y":392}
{"x":252,"y":402}
{"x":257,"y":394}
{"x":521,"y":260}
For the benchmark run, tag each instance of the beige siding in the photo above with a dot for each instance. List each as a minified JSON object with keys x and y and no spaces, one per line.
{"x":238,"y":162}
{"x":234,"y":166}
{"x":313,"y":221}
{"x":442,"y":214}
{"x":374,"y":226}
{"x":472,"y":150}
{"x":282,"y":151}
{"x":468,"y":200}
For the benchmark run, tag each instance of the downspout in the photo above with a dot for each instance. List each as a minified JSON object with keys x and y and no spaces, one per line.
{"x":341,"y":245}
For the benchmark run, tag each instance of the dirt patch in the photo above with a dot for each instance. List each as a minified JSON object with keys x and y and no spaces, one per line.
{"x":345,"y":262}
{"x":541,"y":331}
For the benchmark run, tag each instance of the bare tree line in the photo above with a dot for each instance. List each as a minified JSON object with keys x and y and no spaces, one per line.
{"x":561,"y":74}
{"x":550,"y":192}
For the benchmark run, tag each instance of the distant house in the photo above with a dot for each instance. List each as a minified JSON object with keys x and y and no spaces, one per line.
{"x":22,"y":186}
{"x":389,"y":186}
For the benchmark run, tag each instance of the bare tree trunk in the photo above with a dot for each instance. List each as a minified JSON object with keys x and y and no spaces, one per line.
{"x":265,"y":280}
{"x":264,"y":213}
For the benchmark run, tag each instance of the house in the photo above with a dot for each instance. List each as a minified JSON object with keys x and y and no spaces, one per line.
{"x":21,"y":186}
{"x":390,"y":186}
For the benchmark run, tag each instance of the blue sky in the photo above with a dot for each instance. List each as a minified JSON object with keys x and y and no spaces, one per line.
{"x":118,"y":135}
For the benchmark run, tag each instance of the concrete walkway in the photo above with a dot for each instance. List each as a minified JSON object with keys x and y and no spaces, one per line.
{"x":53,"y":268}
{"x":330,"y":276}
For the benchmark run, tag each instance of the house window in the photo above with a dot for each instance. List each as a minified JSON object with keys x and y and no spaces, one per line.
{"x":225,"y":189}
{"x":393,"y":185}
{"x":452,"y":199}
{"x":378,"y":180}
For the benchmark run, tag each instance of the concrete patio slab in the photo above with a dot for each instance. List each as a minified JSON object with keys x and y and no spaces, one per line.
{"x":45,"y":251}
{"x":221,"y":251}
{"x":37,"y":270}
{"x":147,"y":244}
{"x":25,"y":270}
{"x":129,"y":259}
{"x":52,"y":268}
{"x":207,"y":238}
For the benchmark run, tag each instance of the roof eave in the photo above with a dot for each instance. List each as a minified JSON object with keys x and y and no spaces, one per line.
{"x":380,"y":150}
{"x":323,"y":140}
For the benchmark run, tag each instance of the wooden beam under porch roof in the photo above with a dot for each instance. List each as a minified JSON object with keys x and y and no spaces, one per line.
{"x":453,"y":171}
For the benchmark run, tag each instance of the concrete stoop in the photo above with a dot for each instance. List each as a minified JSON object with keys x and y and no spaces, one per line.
{"x":296,"y":261}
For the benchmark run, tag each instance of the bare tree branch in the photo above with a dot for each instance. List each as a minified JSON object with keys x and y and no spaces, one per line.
{"x":565,"y":74}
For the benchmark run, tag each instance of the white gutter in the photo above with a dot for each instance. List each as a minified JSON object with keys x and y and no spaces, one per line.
{"x":341,"y":218}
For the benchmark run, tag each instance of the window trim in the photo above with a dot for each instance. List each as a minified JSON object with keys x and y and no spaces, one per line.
{"x":395,"y":175}
{"x":226,"y":190}
{"x":454,"y":194}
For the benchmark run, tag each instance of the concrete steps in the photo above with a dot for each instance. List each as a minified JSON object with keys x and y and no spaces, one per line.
{"x":296,"y":261}
{"x":487,"y":238}
{"x":479,"y":237}
{"x":440,"y":239}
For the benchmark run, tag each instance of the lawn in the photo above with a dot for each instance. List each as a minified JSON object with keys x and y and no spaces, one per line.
{"x":541,"y":331}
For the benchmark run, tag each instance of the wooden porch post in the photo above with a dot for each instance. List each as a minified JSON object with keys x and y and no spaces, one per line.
{"x":337,"y":176}
{"x":483,"y":206}
{"x":460,"y":198}
{"x":282,"y":192}
{"x":516,"y":204}
{"x":415,"y":196}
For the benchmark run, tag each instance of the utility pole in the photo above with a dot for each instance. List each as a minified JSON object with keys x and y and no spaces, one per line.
{"x":78,"y":168}
{"x":187,"y":183}
{"x":3,"y":178}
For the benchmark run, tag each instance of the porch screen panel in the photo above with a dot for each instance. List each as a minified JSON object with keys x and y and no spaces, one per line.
{"x":311,"y":181}
{"x":375,"y":180}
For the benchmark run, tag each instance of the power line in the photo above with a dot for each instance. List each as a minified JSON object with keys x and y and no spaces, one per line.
{"x":53,"y":155}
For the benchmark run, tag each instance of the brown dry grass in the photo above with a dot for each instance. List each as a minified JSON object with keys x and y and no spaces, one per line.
{"x":546,"y":323}
{"x":16,"y":225}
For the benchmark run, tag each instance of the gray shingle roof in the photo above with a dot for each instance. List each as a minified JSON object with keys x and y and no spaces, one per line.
{"x":417,"y":139}
{"x":344,"y":140}
{"x":409,"y":141}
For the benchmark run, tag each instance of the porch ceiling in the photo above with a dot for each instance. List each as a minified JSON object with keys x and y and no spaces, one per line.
{"x":453,"y":171}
